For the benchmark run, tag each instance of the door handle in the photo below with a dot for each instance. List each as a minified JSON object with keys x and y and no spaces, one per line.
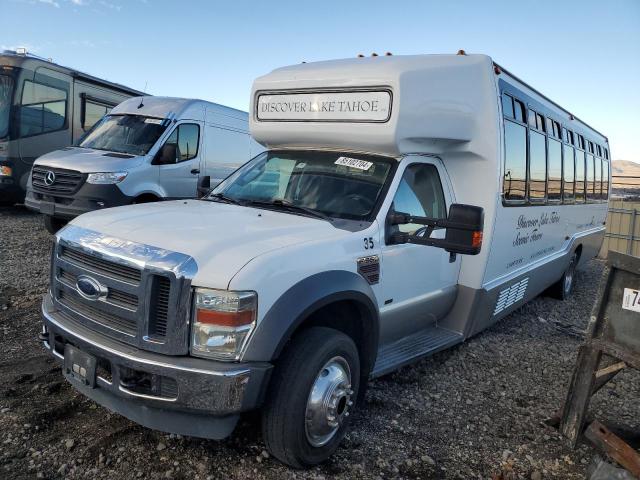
{"x":195,"y":171}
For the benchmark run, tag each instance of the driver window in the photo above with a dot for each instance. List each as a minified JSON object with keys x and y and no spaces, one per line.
{"x":185,"y":138}
{"x":420,"y":194}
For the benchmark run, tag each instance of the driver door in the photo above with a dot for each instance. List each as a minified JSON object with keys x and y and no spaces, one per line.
{"x":180,"y":178}
{"x":419,"y":282}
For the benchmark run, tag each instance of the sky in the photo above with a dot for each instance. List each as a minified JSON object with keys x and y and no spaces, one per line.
{"x":583,"y":54}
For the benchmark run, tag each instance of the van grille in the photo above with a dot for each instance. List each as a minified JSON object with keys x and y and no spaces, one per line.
{"x":160,"y":308}
{"x":76,"y":303}
{"x":65,"y":182}
{"x":115,"y":297}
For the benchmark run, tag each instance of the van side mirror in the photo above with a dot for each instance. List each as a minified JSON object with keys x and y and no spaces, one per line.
{"x":204,"y":186}
{"x":166,"y":155}
{"x":464,"y":227}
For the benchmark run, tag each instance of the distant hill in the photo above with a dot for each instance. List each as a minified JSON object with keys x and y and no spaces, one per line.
{"x":625,"y":167}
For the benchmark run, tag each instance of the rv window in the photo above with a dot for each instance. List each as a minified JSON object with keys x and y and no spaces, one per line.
{"x":519,"y":110}
{"x":580,"y":176}
{"x":590,"y":178}
{"x":515,"y":161}
{"x":43,"y":109}
{"x":507,"y":105}
{"x":420,"y":194}
{"x":537,"y":167}
{"x":605,"y":180}
{"x":187,"y":138}
{"x":568,"y":169}
{"x":555,"y":170}
{"x":93,"y":112}
{"x":6,"y":92}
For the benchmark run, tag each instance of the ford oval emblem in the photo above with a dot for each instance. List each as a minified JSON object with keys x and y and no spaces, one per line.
{"x":90,"y":288}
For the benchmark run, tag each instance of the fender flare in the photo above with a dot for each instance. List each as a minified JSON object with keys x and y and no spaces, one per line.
{"x":303,"y":299}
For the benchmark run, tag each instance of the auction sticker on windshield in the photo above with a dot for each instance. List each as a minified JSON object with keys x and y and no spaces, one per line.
{"x":631,"y":300}
{"x":354,"y":163}
{"x":154,"y":121}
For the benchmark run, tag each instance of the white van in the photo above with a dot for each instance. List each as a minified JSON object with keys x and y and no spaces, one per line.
{"x":146,"y":149}
{"x":404,"y":204}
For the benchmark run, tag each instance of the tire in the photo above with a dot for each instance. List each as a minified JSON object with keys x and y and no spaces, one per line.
{"x":562,"y":288}
{"x":53,"y":224}
{"x":320,"y":357}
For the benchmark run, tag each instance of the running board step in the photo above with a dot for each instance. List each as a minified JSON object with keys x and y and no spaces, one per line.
{"x":406,"y":350}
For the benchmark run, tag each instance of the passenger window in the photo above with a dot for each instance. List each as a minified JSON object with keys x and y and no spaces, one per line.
{"x":606,"y":154}
{"x":507,"y":105}
{"x":43,"y":109}
{"x":420,"y":194}
{"x":515,"y":162}
{"x":186,"y":139}
{"x":590,"y":178}
{"x":537,"y":167}
{"x":580,"y":176}
{"x":598,"y":181}
{"x":555,"y":170}
{"x":568,"y":170}
{"x":605,"y":180}
{"x":519,"y":110}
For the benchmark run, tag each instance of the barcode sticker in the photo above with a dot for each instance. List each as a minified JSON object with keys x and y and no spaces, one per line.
{"x":354,"y":163}
{"x":631,"y":300}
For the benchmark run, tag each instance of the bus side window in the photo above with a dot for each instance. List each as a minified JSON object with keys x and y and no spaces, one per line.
{"x":555,"y":168}
{"x":43,"y":108}
{"x":580,"y":176}
{"x":569,"y":171}
{"x":605,"y":180}
{"x":515,"y":161}
{"x":591,"y":177}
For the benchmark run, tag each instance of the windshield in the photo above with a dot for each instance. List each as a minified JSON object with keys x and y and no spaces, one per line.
{"x":334,"y":184}
{"x":132,"y":134}
{"x":6,"y":92}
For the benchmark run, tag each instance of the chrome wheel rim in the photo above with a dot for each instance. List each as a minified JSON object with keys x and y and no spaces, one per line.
{"x":568,"y":276}
{"x":329,"y":402}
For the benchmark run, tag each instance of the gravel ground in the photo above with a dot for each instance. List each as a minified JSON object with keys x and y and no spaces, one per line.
{"x":474,"y":411}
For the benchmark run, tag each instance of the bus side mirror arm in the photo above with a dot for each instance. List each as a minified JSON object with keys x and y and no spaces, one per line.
{"x":464,"y":227}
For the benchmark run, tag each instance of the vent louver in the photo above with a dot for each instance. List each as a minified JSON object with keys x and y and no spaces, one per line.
{"x":511,"y":295}
{"x":369,"y":268}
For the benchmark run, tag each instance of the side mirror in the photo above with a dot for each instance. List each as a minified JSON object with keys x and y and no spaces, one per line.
{"x":204,"y":186}
{"x":463,"y":226}
{"x":166,"y":155}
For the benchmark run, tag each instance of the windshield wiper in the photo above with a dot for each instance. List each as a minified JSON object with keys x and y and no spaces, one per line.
{"x":224,"y":198}
{"x":292,"y":206}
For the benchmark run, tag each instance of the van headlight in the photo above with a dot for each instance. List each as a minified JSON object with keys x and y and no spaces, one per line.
{"x":106,"y":178}
{"x":222,"y":323}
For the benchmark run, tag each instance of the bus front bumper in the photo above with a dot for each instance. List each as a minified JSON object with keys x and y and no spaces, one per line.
{"x":173,"y":394}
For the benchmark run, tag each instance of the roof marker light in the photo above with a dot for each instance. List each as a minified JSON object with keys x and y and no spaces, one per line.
{"x":374,"y":54}
{"x":360,"y":55}
{"x":461,"y":52}
{"x":496,"y":69}
{"x":388,"y":54}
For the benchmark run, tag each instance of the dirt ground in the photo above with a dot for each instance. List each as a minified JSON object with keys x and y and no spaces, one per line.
{"x":474,"y":411}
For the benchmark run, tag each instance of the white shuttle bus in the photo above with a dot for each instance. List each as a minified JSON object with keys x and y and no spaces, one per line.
{"x":145,"y":150}
{"x":403,"y":205}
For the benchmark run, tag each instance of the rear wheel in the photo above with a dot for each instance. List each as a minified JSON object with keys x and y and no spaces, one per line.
{"x":562,"y":288}
{"x":53,"y":224}
{"x":311,"y":397}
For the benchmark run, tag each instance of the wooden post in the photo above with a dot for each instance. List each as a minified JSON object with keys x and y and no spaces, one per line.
{"x":606,"y":441}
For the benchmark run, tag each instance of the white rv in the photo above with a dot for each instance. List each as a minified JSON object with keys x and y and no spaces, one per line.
{"x":146,"y":149}
{"x":403,"y":205}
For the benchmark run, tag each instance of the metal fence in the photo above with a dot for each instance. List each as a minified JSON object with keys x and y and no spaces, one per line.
{"x":623,"y":221}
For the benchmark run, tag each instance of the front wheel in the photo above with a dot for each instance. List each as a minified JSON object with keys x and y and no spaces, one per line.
{"x":53,"y":224}
{"x":562,"y":288}
{"x":311,"y":397}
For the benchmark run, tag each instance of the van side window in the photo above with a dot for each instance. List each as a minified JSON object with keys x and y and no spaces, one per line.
{"x":43,"y":109}
{"x":186,"y":139}
{"x":591,"y":177}
{"x":420,"y":194}
{"x":598,"y":180}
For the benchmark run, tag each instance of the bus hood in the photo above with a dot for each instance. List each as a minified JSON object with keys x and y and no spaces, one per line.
{"x":221,"y":238}
{"x":88,"y":160}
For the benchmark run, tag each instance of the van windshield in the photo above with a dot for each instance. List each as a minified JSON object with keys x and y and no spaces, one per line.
{"x":6,"y":92}
{"x":332,"y":184}
{"x":132,"y":134}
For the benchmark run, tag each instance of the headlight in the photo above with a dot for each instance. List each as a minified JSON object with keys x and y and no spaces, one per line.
{"x":106,"y":178}
{"x":222,"y":323}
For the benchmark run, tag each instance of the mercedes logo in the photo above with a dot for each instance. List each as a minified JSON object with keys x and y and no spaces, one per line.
{"x":49,"y":178}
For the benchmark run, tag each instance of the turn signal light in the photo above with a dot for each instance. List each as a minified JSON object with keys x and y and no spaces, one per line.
{"x":476,"y":240}
{"x":5,"y":171}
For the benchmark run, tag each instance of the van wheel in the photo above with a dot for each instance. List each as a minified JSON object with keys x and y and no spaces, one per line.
{"x":562,"y":288}
{"x":311,"y":396}
{"x":53,"y":224}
